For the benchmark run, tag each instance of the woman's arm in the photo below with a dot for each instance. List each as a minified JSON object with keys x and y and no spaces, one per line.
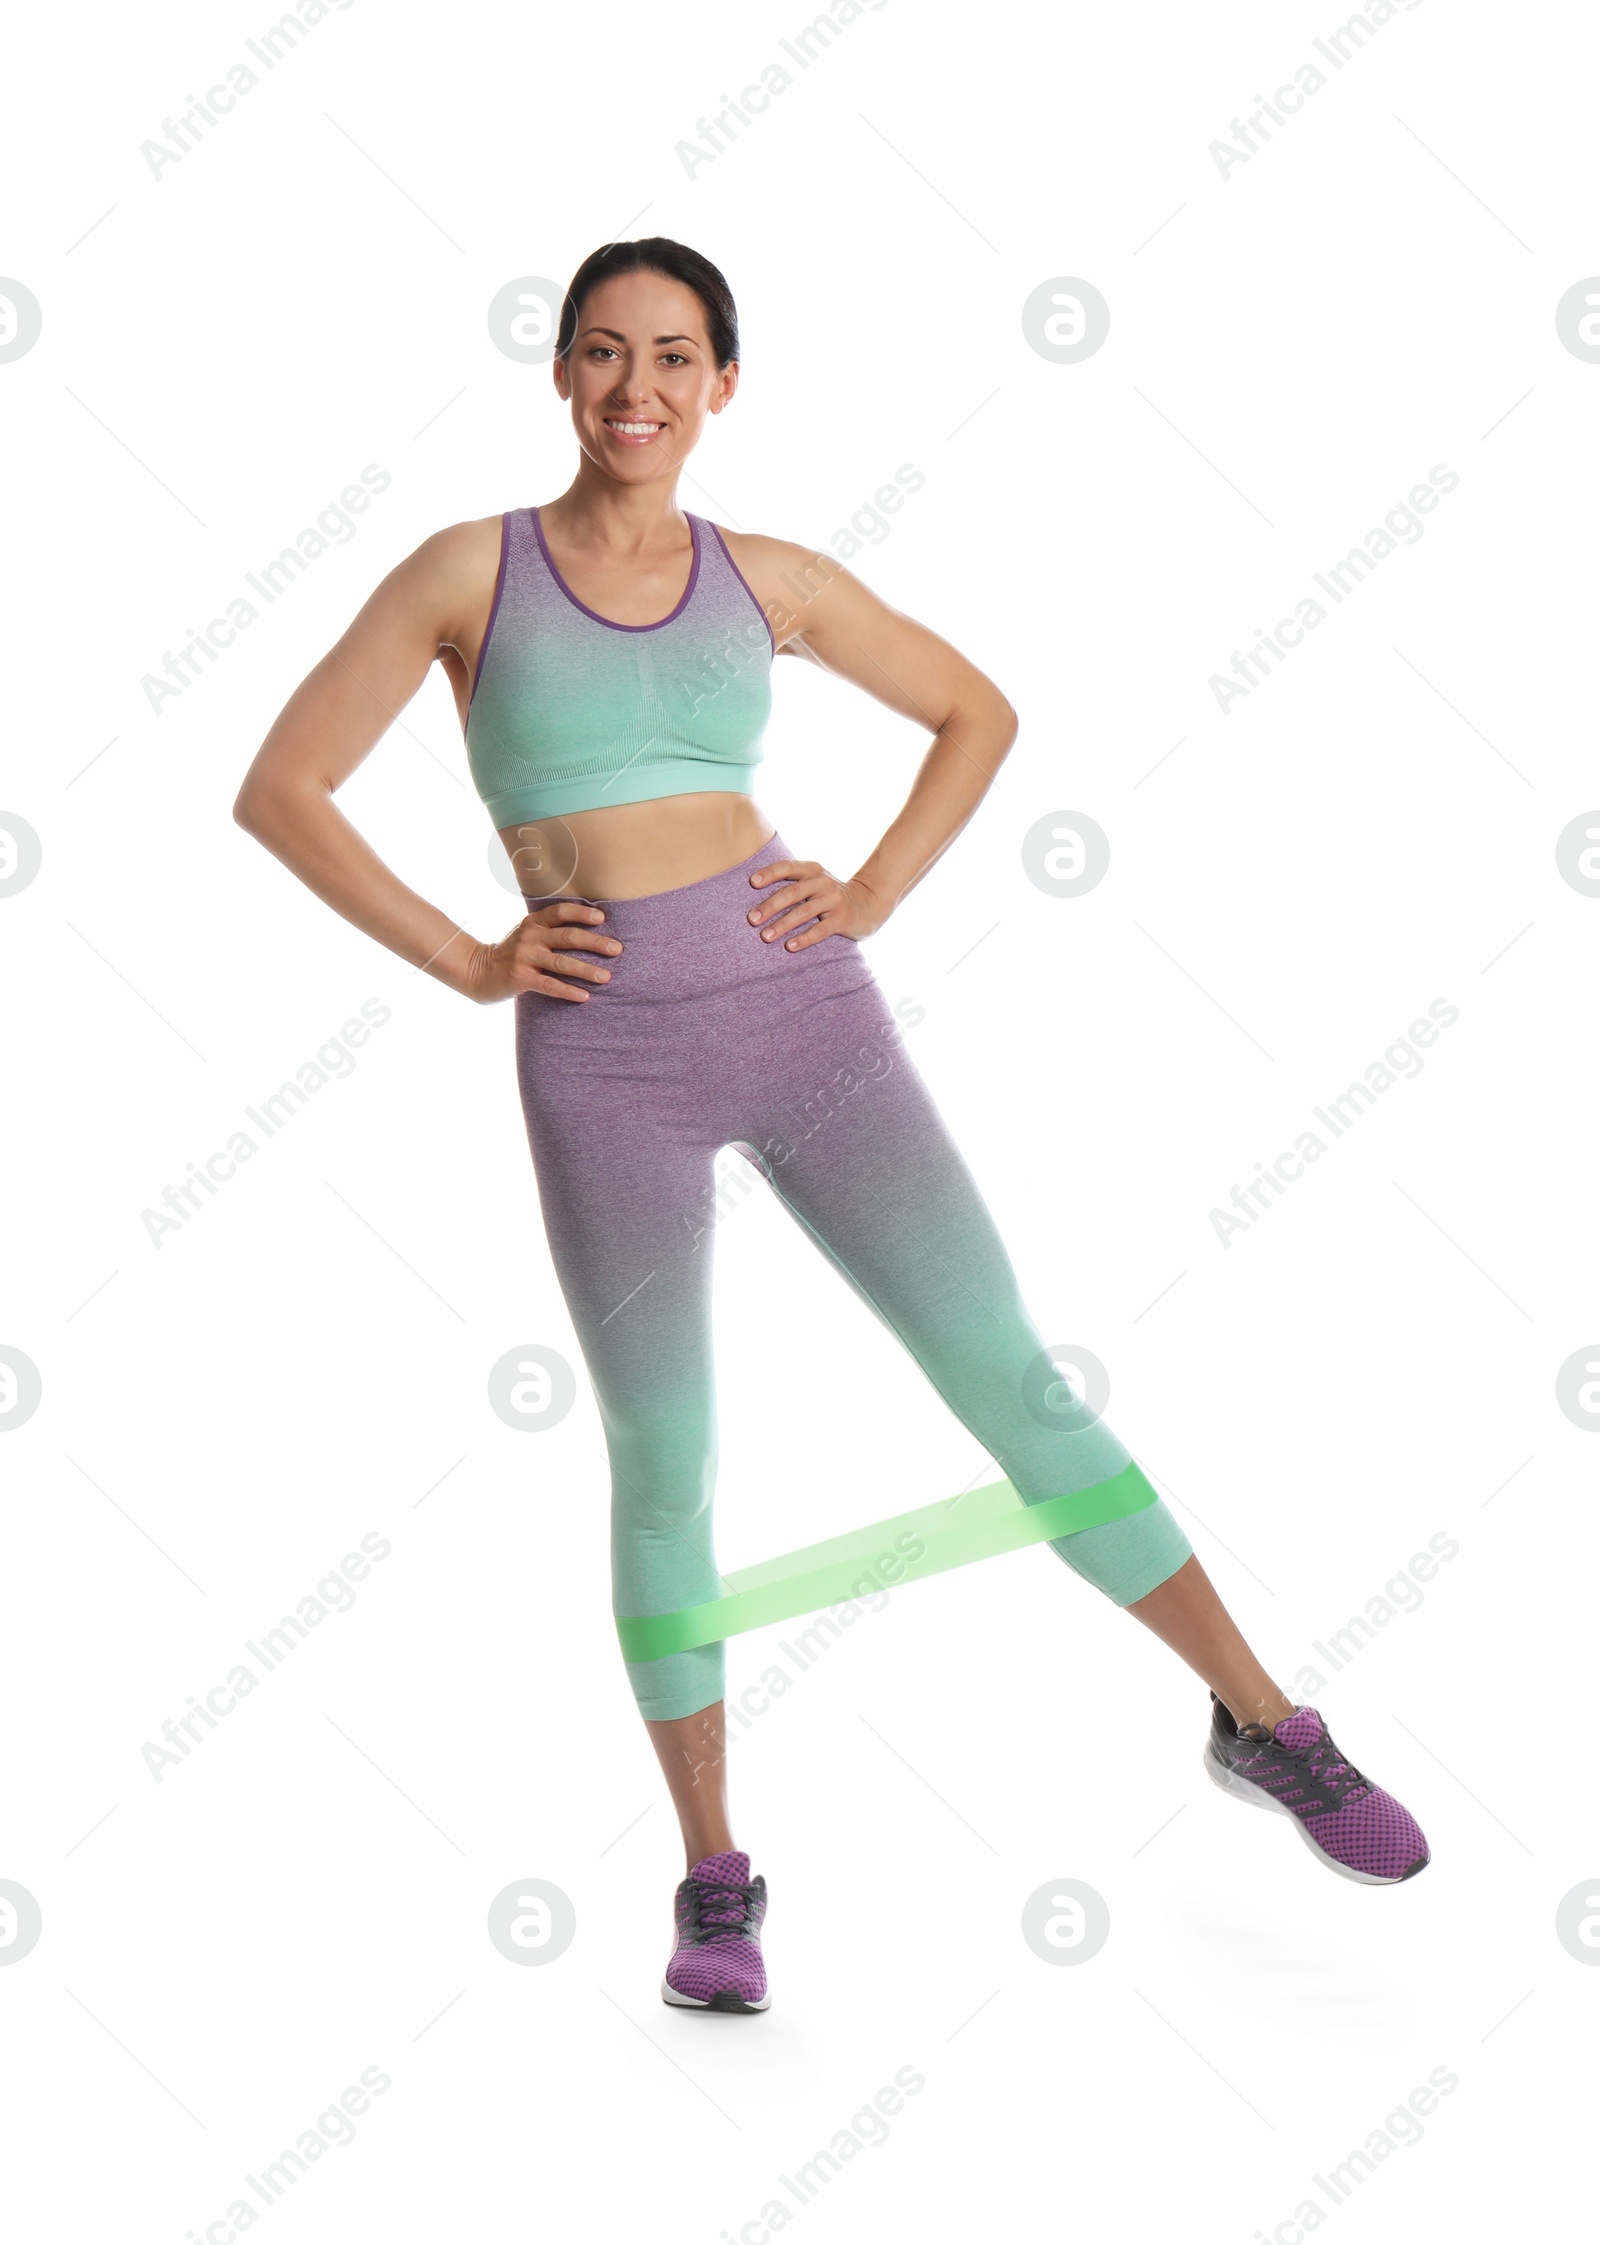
{"x":819,"y":610}
{"x":432,"y":608}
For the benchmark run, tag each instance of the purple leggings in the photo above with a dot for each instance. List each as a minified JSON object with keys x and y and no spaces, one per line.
{"x":705,"y":1037}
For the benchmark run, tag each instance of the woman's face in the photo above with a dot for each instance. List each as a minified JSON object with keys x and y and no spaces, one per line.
{"x":642,"y":376}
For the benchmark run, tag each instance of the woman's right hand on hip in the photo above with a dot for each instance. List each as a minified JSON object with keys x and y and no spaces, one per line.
{"x":541,"y":953}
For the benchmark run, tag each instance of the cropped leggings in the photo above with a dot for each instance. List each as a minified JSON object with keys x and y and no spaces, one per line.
{"x":706,"y":1036}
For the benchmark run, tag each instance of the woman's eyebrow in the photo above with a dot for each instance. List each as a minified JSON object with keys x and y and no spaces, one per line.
{"x":621,"y":338}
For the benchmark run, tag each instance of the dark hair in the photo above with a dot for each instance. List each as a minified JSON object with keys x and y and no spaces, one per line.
{"x":655,"y":254}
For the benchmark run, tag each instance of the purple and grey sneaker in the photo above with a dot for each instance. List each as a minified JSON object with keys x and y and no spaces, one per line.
{"x":1355,"y":1827}
{"x":717,"y":1964}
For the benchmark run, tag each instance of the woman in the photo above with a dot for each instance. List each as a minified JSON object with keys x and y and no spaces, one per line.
{"x":684,"y":982}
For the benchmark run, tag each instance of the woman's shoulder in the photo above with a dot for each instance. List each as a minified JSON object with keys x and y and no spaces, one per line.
{"x":453,"y":563}
{"x":445,"y":585}
{"x":466,"y":543}
{"x":783,"y":574}
{"x":765,"y":553}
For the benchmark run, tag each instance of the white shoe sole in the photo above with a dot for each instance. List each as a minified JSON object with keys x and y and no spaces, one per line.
{"x":1240,"y":1789}
{"x":727,"y":2001}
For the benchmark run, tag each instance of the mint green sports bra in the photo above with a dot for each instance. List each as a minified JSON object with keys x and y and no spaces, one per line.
{"x":572,"y":713}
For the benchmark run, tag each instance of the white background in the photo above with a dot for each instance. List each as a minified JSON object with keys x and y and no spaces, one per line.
{"x":1373,"y":1363}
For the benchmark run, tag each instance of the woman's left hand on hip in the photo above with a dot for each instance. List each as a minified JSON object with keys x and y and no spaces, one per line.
{"x":811,"y":892}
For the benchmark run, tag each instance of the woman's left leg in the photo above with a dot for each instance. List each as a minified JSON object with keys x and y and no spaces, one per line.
{"x":852,"y":1142}
{"x":1187,"y":1615}
{"x":846,"y":1131}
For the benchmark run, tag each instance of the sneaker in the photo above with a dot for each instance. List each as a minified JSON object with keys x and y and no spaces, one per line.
{"x":717,"y":1964}
{"x":1355,"y":1827}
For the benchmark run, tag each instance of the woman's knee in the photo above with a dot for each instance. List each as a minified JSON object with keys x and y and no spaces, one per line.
{"x":679,"y":1684}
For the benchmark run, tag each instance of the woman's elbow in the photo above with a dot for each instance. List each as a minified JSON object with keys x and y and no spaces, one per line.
{"x":1003,"y":718}
{"x":984,"y":715}
{"x":269,"y":808}
{"x":251,"y":807}
{"x":274,"y":798}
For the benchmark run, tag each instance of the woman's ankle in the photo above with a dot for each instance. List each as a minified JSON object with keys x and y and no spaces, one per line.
{"x":698,"y":1849}
{"x":1265,"y":1705}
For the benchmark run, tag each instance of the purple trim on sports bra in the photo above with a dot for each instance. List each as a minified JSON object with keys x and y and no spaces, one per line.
{"x":744,"y":580}
{"x":563,"y":586}
{"x":494,"y":609}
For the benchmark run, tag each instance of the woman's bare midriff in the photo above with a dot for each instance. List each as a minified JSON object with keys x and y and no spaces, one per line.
{"x":637,"y":849}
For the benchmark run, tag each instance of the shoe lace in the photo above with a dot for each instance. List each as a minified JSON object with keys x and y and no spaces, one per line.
{"x":720,"y":1908}
{"x":1329,"y":1768}
{"x":1321,"y":1761}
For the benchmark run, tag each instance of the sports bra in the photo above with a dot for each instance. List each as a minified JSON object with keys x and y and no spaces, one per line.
{"x":572,"y":713}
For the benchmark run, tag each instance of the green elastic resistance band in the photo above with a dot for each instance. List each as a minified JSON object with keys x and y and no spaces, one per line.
{"x":978,"y":1525}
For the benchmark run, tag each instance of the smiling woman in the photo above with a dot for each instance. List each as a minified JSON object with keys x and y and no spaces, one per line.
{"x":683,"y":983}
